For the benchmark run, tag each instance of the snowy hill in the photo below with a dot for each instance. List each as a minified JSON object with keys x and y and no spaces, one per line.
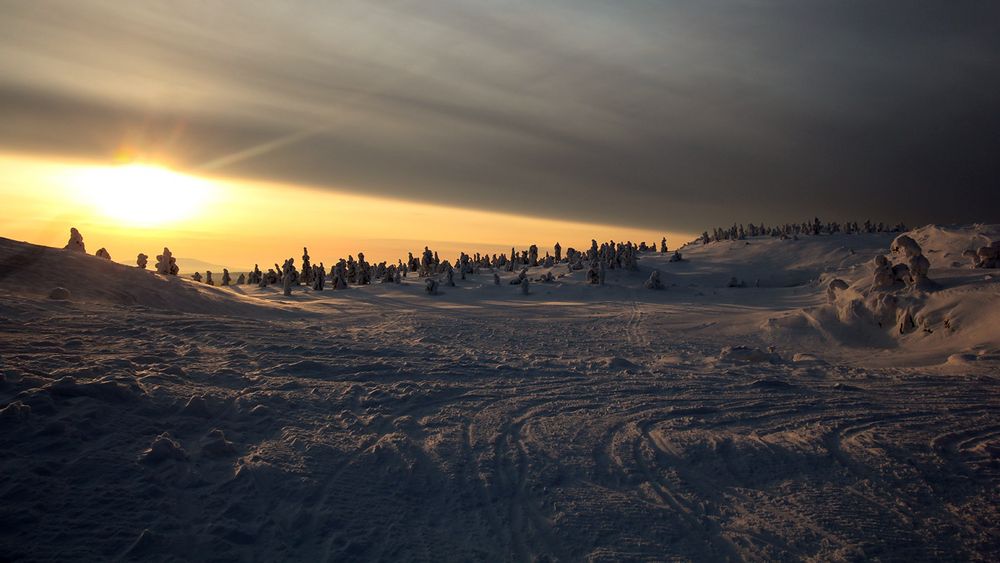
{"x":32,"y":271}
{"x":158,"y":418}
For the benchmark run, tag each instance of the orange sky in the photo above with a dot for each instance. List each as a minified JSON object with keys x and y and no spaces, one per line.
{"x":132,"y":209}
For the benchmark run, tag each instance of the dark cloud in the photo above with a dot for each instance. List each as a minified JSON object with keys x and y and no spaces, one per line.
{"x":671,"y":115}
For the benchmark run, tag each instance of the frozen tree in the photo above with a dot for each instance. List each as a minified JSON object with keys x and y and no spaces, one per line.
{"x":388,"y":275}
{"x":525,"y":286}
{"x":103,"y":253}
{"x":166,"y":264}
{"x":987,"y":256}
{"x":548,"y":262}
{"x":141,"y":260}
{"x":917,"y":264}
{"x":426,"y":263}
{"x":547,"y":277}
{"x":592,"y":276}
{"x":226,"y":279}
{"x":288,"y":276}
{"x":533,"y":255}
{"x":833,"y":287}
{"x":601,"y":273}
{"x":196,"y":277}
{"x":339,"y":277}
{"x":663,"y":245}
{"x":558,"y":249}
{"x":307,"y":270}
{"x":256,"y":275}
{"x":654,"y":280}
{"x":398,"y":277}
{"x":449,"y":276}
{"x":676,"y":257}
{"x":882,"y":275}
{"x":496,"y":278}
{"x":906,"y":246}
{"x":520,"y":277}
{"x":75,"y":241}
{"x":364,"y":270}
{"x":318,"y":277}
{"x":208,"y":278}
{"x":431,"y":286}
{"x":242,"y":279}
{"x":352,"y":270}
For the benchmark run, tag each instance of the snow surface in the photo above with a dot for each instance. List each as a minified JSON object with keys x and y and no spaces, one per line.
{"x":151,"y":417}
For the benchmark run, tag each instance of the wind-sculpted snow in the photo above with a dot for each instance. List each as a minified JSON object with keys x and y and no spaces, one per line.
{"x":578,"y":422}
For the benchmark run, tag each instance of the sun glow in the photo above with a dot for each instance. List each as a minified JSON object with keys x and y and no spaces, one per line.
{"x":141,"y":194}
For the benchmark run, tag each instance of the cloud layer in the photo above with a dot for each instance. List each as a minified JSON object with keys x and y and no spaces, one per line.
{"x":673,"y":115}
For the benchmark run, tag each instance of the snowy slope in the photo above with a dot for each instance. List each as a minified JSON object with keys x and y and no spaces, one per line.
{"x":28,"y":270}
{"x":162,"y":419}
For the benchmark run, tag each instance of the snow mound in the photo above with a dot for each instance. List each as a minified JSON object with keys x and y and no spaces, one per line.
{"x":163,"y":448}
{"x":956,"y":309}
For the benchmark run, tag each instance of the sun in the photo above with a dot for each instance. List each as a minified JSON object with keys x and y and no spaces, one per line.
{"x":141,"y":194}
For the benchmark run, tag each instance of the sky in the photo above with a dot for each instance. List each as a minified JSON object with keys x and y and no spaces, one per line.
{"x":648,"y":116}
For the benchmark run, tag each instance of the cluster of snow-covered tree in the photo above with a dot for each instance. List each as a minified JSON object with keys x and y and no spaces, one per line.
{"x":793,"y":230}
{"x":166,"y":264}
{"x":596,"y":260}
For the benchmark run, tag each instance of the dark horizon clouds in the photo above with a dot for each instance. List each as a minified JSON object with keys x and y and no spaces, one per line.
{"x":672,"y":115}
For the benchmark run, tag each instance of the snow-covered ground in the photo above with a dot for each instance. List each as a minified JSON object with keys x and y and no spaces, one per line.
{"x":159,"y":418}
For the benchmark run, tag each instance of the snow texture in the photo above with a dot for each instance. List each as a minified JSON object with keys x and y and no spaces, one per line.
{"x":155,"y":418}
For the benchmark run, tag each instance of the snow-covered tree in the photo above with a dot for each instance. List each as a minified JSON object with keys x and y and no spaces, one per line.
{"x":226,"y":278}
{"x":987,"y":256}
{"x":166,"y":264}
{"x":558,"y":249}
{"x":654,"y":280}
{"x":208,"y":278}
{"x":882,"y":275}
{"x":917,"y":264}
{"x":496,"y":278}
{"x":103,"y":253}
{"x":196,"y":277}
{"x":141,"y":260}
{"x":307,"y":270}
{"x":431,"y":286}
{"x":525,"y":286}
{"x":676,"y":257}
{"x":426,"y":263}
{"x":663,"y":245}
{"x":288,"y":276}
{"x":75,"y":243}
{"x":339,"y":278}
{"x":242,"y":279}
{"x":318,"y":277}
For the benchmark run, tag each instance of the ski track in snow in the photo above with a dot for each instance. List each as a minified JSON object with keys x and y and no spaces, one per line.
{"x":392,"y":426}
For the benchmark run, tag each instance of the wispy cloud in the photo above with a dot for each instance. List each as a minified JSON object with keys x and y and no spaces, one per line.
{"x":661,"y":113}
